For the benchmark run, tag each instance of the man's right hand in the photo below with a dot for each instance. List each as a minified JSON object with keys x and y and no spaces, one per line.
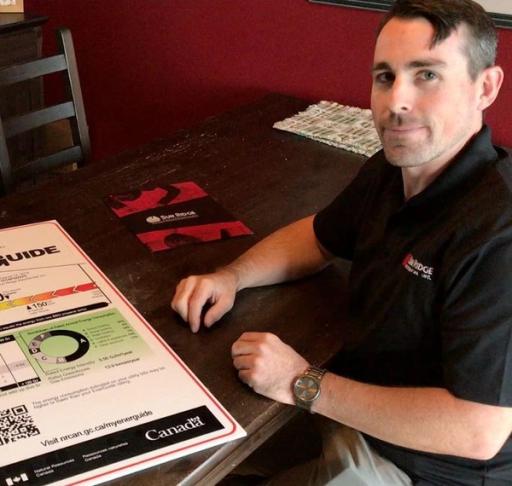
{"x":288,"y":253}
{"x":215,"y":289}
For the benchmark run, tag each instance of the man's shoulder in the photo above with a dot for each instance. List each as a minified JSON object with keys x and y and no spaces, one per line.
{"x":378,"y":167}
{"x":378,"y":159}
{"x":493,"y":190}
{"x":504,"y":166}
{"x":486,"y":204}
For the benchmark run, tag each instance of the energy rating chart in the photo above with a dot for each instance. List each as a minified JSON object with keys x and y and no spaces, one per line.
{"x":81,"y":348}
{"x":5,"y":303}
{"x":15,"y":368}
{"x":31,"y":295}
{"x":88,"y":390}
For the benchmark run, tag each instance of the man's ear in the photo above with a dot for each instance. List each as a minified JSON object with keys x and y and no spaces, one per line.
{"x":490,"y":81}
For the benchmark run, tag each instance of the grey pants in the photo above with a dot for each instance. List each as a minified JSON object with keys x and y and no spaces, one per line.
{"x":346,"y":460}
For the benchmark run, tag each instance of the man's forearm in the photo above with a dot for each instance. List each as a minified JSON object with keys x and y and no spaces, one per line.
{"x":289,"y":253}
{"x":425,"y":419}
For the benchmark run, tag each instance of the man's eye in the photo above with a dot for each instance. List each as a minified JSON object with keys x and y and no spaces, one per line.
{"x":384,"y":78}
{"x":428,"y":75}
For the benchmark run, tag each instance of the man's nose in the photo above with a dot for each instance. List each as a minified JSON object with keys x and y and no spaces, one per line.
{"x":400,"y":96}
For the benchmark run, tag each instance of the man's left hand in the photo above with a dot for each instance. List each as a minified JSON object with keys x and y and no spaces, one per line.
{"x":267,"y":365}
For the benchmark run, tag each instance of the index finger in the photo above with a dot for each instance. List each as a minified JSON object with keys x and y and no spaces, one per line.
{"x":200,"y":297}
{"x":179,"y":302}
{"x":241,"y":347}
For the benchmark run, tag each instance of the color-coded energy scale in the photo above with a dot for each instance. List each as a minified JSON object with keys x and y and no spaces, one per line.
{"x":6,"y":303}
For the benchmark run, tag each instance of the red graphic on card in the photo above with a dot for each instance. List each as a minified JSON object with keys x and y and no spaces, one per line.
{"x":175,"y":215}
{"x":144,"y":199}
{"x":170,"y":238}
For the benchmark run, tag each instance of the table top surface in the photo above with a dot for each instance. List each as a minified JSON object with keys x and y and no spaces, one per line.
{"x":266,"y":178}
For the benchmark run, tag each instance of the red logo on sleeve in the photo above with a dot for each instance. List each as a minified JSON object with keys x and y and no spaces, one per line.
{"x":417,"y":268}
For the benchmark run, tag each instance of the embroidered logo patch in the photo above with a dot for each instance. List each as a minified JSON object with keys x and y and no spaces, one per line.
{"x":417,"y":268}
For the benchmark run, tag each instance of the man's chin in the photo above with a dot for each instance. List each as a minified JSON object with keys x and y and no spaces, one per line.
{"x":403,"y":157}
{"x":398,"y":155}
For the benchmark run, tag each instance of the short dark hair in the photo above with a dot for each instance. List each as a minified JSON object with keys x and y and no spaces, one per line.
{"x":445,"y":17}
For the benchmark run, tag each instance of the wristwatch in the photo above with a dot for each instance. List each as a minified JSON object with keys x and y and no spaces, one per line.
{"x":306,"y":387}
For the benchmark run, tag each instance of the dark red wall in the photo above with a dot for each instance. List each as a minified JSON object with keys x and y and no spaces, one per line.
{"x":149,"y":67}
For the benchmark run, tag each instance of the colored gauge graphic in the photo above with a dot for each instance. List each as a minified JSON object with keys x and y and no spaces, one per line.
{"x":37,"y":353}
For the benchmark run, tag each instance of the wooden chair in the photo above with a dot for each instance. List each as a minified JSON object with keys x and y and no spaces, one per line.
{"x":73,"y":110}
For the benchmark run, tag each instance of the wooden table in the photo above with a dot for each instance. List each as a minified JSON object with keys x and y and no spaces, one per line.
{"x":267,"y":178}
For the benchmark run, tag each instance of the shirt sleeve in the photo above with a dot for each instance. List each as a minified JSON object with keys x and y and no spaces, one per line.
{"x":476,"y":326}
{"x":336,"y":226}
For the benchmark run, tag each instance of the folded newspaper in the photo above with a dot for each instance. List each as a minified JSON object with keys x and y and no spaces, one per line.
{"x":346,"y":127}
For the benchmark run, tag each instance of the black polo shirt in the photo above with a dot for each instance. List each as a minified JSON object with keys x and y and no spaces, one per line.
{"x":431,"y":291}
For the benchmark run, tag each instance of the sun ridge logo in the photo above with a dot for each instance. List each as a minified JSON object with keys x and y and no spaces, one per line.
{"x":153,"y":219}
{"x":169,"y":218}
{"x":417,"y":268}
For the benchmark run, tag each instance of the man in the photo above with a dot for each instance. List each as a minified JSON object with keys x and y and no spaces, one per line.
{"x":427,"y":224}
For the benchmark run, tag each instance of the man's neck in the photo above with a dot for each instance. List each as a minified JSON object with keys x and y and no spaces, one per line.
{"x":417,"y":179}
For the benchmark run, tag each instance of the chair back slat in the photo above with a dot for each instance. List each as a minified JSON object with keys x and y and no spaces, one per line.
{"x":5,"y":165}
{"x":44,"y":164}
{"x":33,"y":69}
{"x":65,"y":62}
{"x":80,"y":126}
{"x":23,"y":123}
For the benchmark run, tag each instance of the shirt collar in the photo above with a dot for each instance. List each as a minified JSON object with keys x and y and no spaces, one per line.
{"x":471,"y":161}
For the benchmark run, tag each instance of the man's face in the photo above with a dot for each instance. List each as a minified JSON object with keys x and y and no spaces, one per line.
{"x":424,"y":103}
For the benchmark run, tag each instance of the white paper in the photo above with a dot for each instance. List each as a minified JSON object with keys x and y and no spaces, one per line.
{"x":88,"y":390}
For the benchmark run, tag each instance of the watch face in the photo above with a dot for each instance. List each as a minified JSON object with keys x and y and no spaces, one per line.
{"x":306,"y":388}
